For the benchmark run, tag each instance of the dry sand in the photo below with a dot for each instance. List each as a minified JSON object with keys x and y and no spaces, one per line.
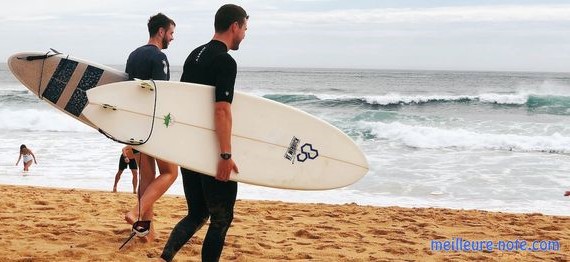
{"x":43,"y":224}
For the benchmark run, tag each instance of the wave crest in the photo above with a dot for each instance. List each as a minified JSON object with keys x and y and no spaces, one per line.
{"x":551,"y":104}
{"x":440,"y":138}
{"x":39,"y":120}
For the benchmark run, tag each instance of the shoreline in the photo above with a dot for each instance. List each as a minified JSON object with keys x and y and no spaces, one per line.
{"x":279,"y":198}
{"x":43,"y":224}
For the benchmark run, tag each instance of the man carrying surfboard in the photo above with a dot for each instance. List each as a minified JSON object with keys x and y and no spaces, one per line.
{"x":212,"y":197}
{"x":149,"y":62}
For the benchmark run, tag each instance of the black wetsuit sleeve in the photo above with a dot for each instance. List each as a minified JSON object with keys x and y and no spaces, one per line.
{"x":160,"y":67}
{"x":225,"y":78}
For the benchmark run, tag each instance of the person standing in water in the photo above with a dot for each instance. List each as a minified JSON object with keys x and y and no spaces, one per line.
{"x":27,"y":156}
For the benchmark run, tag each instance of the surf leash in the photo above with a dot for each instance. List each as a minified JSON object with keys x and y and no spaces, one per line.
{"x":140,"y":228}
{"x":38,"y":57}
{"x":133,"y":142}
{"x":43,"y":58}
{"x":133,"y":232}
{"x":128,"y":240}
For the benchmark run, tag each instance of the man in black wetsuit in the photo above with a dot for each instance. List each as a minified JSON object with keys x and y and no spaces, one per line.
{"x":149,"y":62}
{"x":206,"y":196}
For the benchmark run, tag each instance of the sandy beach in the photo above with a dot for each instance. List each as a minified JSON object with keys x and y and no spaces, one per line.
{"x":46,"y":224}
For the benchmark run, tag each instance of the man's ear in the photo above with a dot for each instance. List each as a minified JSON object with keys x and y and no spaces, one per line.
{"x":235,"y":26}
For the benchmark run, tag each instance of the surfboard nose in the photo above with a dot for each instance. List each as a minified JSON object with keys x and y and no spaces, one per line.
{"x":25,"y":70}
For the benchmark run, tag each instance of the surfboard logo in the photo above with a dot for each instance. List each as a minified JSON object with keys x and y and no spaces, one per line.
{"x":307,"y":151}
{"x":168,"y":120}
{"x":292,"y":149}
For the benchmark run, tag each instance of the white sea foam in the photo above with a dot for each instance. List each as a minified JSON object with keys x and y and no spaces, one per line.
{"x":519,"y":98}
{"x":39,"y":120}
{"x":504,"y":99}
{"x":439,"y":138}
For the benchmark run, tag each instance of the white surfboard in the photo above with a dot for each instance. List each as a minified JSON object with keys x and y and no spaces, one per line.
{"x":61,"y":80}
{"x":274,"y":145}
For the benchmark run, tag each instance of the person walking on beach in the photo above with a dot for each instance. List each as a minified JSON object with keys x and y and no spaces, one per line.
{"x":149,"y":62}
{"x":206,"y":196}
{"x":127,"y":158}
{"x":27,"y":156}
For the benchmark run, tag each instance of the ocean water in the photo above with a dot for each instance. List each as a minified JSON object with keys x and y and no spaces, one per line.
{"x":496,"y":141}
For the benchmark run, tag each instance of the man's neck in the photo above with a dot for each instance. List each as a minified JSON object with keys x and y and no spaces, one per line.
{"x":224,"y":38}
{"x":155,"y":42}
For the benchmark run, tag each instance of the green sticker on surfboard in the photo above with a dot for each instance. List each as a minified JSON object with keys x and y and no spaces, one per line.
{"x":167,"y":120}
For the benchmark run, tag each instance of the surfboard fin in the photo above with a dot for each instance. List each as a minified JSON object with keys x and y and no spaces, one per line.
{"x":107,"y":106}
{"x":136,"y":142}
{"x":145,"y":85}
{"x":55,"y":51}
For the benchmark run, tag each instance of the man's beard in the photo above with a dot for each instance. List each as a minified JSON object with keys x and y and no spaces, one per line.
{"x":235,"y":46}
{"x":165,"y":43}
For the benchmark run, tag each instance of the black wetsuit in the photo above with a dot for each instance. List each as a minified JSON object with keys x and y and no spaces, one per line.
{"x":209,"y":64}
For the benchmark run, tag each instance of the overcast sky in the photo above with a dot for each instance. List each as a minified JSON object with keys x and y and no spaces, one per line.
{"x":399,"y":34}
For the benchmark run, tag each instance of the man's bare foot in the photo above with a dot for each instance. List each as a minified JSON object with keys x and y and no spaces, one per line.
{"x":114,"y":190}
{"x":151,"y":235}
{"x":130,"y":218}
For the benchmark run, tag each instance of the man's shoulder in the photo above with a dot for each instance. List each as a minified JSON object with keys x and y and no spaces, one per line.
{"x":148,"y":51}
{"x":225,"y":59}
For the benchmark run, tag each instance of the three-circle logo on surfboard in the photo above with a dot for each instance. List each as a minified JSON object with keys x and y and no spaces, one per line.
{"x":306,"y":151}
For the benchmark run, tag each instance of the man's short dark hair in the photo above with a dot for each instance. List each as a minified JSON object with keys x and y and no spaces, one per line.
{"x":158,"y":21}
{"x":227,"y":15}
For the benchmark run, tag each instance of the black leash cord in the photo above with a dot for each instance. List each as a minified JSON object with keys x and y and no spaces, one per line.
{"x":151,"y":127}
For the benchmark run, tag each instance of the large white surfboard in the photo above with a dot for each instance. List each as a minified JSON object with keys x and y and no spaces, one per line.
{"x":61,"y":80}
{"x":273,"y":144}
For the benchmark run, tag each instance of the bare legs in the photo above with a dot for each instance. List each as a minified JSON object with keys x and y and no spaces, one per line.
{"x":118,"y":177}
{"x":151,"y":188}
{"x":27,"y":165}
{"x":135,"y":180}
